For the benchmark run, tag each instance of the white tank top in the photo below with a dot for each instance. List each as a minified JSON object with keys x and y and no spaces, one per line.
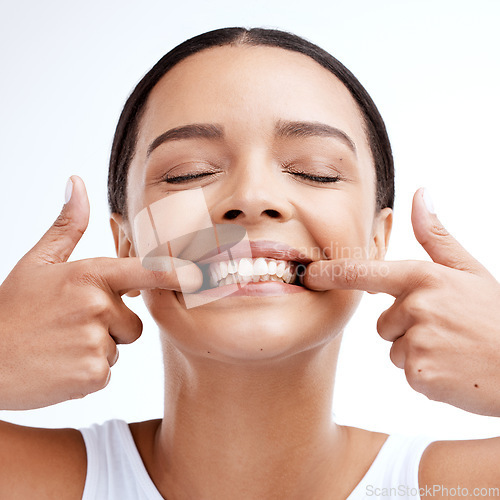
{"x":115,"y":470}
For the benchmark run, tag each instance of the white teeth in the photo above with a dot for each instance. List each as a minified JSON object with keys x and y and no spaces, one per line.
{"x":232,"y":267}
{"x":260,"y":266}
{"x":213,"y":281}
{"x":231,"y":278}
{"x":287,"y":276}
{"x":272,"y":266}
{"x":223,"y":269}
{"x":280,"y":268}
{"x":245,"y":268}
{"x":218,"y":273}
{"x":250,"y":270}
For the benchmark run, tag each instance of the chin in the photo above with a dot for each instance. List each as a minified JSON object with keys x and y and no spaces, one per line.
{"x":252,"y":330}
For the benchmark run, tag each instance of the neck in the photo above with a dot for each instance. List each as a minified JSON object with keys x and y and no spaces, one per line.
{"x":242,"y":430}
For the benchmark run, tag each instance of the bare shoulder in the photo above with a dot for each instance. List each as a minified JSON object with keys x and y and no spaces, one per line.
{"x":471,"y":464}
{"x":41,"y":463}
{"x":361,"y":447}
{"x":144,"y":434}
{"x":365,"y":437}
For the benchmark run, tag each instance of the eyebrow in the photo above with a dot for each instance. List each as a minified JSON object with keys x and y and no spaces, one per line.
{"x":192,"y":131}
{"x":312,"y":129}
{"x":283,"y":128}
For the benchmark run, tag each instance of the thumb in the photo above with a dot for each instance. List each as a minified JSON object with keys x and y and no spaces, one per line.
{"x":441,"y":246}
{"x":57,"y":244}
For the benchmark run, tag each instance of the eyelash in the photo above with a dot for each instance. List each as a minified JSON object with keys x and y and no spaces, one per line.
{"x":314,"y":178}
{"x":184,"y":178}
{"x":317,"y":178}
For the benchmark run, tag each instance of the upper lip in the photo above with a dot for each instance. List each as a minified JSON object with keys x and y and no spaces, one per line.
{"x":259,"y":248}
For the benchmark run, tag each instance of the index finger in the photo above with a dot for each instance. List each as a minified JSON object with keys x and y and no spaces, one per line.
{"x":374,"y":276}
{"x":129,"y":273}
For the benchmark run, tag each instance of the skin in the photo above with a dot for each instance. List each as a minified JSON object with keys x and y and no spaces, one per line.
{"x":248,"y":380}
{"x":252,"y":181}
{"x":226,"y":361}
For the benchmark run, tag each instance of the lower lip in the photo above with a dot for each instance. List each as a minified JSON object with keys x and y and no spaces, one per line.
{"x":259,"y":289}
{"x":266,"y":288}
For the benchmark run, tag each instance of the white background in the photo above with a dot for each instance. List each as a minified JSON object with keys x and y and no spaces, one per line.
{"x":432,"y":67}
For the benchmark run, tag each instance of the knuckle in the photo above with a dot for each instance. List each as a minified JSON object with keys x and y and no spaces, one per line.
{"x":396,"y":355}
{"x":132,"y":336}
{"x":130,"y":330}
{"x":97,"y":375}
{"x":128,"y":337}
{"x":46,"y":254}
{"x":416,"y":306}
{"x":77,"y":395}
{"x":383,"y":326}
{"x":97,"y":305}
{"x":351,"y":273}
{"x":115,"y":358}
{"x":419,"y":274}
{"x":419,"y":376}
{"x":137,"y":330}
{"x":95,"y":345}
{"x":381,"y":322}
{"x":417,"y":341}
{"x":62,"y":221}
{"x":87,"y":278}
{"x":86,"y":273}
{"x":439,"y":230}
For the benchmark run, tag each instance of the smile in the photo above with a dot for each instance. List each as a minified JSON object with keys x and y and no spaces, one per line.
{"x":246,"y":270}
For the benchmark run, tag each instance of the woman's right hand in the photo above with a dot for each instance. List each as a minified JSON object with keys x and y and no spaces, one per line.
{"x":60,"y":321}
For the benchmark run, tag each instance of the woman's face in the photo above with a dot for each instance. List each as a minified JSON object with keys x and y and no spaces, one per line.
{"x":260,"y":180}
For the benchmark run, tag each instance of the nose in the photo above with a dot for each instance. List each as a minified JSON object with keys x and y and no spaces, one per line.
{"x":255,"y":194}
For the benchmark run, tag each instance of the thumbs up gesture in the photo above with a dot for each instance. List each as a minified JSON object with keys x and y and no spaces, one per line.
{"x":444,"y":324}
{"x":60,"y":322}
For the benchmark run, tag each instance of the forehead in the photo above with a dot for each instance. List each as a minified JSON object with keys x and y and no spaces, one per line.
{"x":248,"y":88}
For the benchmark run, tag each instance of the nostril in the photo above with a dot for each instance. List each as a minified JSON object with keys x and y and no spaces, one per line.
{"x":232,"y":214}
{"x":273,"y":213}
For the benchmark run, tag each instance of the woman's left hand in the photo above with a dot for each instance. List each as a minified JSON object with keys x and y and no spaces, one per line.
{"x":445,"y":321}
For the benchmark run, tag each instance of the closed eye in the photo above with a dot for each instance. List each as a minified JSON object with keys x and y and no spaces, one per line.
{"x":185,"y":178}
{"x":316,"y":178}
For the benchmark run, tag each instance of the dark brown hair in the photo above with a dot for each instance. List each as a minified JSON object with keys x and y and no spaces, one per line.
{"x":125,"y":138}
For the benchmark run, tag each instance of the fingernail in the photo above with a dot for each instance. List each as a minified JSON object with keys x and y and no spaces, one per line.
{"x":69,"y":191}
{"x":428,"y":201}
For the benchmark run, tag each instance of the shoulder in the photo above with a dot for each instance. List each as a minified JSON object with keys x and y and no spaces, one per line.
{"x":363,"y":442}
{"x":143,"y":434}
{"x":468,"y":464}
{"x":360,"y":449}
{"x":50,"y":462}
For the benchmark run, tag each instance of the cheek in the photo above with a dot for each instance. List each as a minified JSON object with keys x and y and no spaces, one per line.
{"x":340,"y":228}
{"x":162,"y":305}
